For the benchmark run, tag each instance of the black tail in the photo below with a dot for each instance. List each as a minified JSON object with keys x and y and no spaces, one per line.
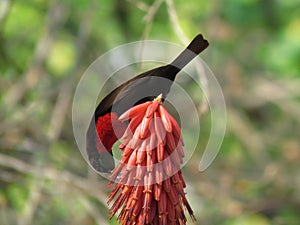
{"x":197,"y":45}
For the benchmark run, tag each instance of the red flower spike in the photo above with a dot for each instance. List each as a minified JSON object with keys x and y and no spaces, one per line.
{"x":147,"y":200}
{"x":181,"y":179}
{"x":145,"y":127}
{"x":176,"y":159}
{"x":138,"y":192}
{"x":150,"y":161}
{"x":152,"y":213}
{"x":171,"y":143}
{"x":123,"y":175}
{"x":187,"y":205}
{"x":168,"y":167}
{"x":162,"y":208}
{"x":153,"y":139}
{"x":132,"y":160}
{"x":114,"y":192}
{"x":126,"y":154}
{"x":159,"y":173}
{"x":165,"y":117}
{"x":176,"y":129}
{"x":160,"y":152}
{"x":167,"y":185}
{"x":134,"y":111}
{"x":131,"y":128}
{"x":172,"y":214}
{"x":133,"y":143}
{"x":151,"y":109}
{"x":148,"y":182}
{"x":175,"y":178}
{"x":141,"y":219}
{"x":159,"y":128}
{"x":141,"y":153}
{"x":173,"y":196}
{"x":140,"y":172}
{"x":150,"y":186}
{"x":137,"y":208}
{"x":157,"y":191}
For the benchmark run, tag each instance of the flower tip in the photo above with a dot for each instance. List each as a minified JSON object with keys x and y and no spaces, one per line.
{"x":158,"y":98}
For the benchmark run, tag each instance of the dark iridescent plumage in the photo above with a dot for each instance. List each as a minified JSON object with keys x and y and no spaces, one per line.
{"x":139,"y":89}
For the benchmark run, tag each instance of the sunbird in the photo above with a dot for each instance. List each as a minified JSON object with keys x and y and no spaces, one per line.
{"x":105,"y":128}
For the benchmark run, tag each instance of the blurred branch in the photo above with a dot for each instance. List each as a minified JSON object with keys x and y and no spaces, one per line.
{"x":33,"y":201}
{"x":175,"y":22}
{"x":5,"y":6}
{"x":93,"y":211}
{"x":55,"y":17}
{"x":203,"y":108}
{"x":272,"y":206}
{"x":284,"y":94}
{"x":121,"y":12}
{"x":140,"y":5}
{"x":5,"y":59}
{"x":243,"y":130}
{"x":60,"y":110}
{"x":63,"y":100}
{"x":149,"y":17}
{"x":86,"y":185}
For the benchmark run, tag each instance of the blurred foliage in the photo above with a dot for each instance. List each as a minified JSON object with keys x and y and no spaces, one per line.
{"x":254,"y":51}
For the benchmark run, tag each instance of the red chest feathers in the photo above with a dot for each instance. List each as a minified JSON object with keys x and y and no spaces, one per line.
{"x":109,"y":130}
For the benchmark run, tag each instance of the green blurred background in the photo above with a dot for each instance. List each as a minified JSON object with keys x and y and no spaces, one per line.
{"x":45,"y":46}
